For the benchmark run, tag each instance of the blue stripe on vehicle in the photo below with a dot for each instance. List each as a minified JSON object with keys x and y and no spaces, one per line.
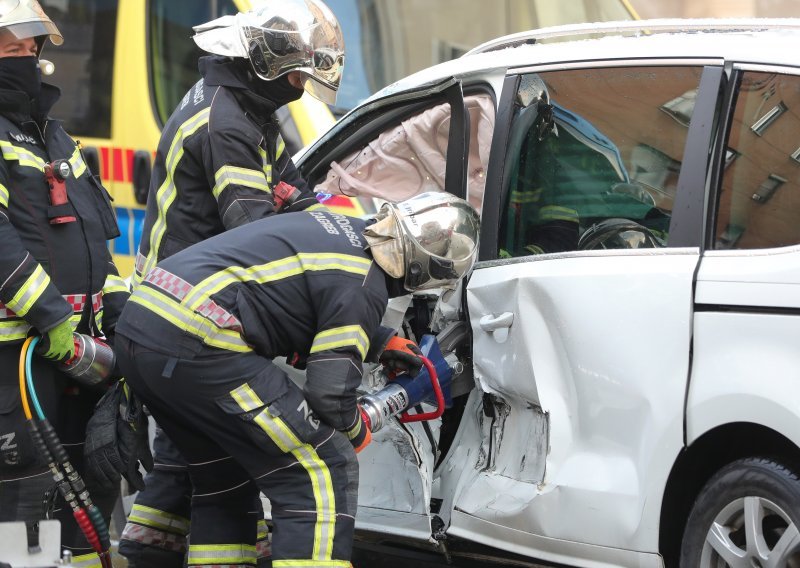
{"x":131,"y":224}
{"x":121,"y":245}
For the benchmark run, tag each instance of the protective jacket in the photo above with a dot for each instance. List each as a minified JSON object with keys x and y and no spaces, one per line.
{"x":298,"y":283}
{"x":223,"y":136}
{"x":51,"y":272}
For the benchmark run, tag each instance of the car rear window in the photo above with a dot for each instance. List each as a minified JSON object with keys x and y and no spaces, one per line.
{"x":760,"y":198}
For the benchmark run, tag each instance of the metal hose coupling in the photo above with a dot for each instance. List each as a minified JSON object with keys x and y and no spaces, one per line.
{"x":92,"y":363}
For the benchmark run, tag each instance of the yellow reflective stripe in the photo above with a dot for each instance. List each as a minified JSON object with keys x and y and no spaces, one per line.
{"x":187,"y":320}
{"x":3,"y":196}
{"x":76,"y":163}
{"x":280,"y":146}
{"x":341,"y":337}
{"x":316,"y":207}
{"x":528,"y":196}
{"x":18,"y":329}
{"x":558,"y":213}
{"x":267,"y":165}
{"x":13,"y":330}
{"x":276,"y":270}
{"x":90,"y":560}
{"x":21,"y":155}
{"x":166,"y":194}
{"x":158,"y":519}
{"x":245,"y":177}
{"x":31,"y":291}
{"x":318,"y":473}
{"x":311,"y":563}
{"x":205,"y":554}
{"x":246,"y":398}
{"x":354,"y":431}
{"x":114,"y":283}
{"x":262,"y":530}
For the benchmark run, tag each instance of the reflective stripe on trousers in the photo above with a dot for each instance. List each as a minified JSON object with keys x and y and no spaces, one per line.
{"x":222,"y":555}
{"x":86,"y":561}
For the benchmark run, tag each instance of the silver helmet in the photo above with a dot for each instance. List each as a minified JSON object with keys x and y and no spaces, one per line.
{"x":25,"y":19}
{"x":279,"y":37}
{"x":430,"y":240}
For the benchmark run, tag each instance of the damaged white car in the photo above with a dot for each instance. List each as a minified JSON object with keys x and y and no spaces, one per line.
{"x":626,"y":354}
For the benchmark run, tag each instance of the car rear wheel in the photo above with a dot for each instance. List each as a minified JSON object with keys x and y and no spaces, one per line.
{"x":746,"y":516}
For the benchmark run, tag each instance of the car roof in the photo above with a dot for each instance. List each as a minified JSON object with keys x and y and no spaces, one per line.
{"x":762,"y":41}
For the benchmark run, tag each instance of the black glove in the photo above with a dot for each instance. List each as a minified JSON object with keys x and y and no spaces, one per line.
{"x":117,"y":440}
{"x":401,"y":356}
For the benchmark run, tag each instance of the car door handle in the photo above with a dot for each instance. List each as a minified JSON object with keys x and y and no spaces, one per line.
{"x":492,"y":323}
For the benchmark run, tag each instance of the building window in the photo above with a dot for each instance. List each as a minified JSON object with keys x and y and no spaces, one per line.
{"x":769,"y":118}
{"x":766,"y":189}
{"x":681,"y":108}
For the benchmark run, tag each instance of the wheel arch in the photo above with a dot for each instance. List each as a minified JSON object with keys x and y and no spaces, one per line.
{"x":698,"y":462}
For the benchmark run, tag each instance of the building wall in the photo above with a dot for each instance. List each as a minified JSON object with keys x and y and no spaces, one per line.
{"x":717,"y":8}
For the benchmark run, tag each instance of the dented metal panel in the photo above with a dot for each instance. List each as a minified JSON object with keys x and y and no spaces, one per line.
{"x":584,"y":401}
{"x":395,"y":473}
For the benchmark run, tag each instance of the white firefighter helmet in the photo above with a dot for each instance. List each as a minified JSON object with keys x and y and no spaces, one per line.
{"x":430,"y":240}
{"x":25,"y":19}
{"x":279,"y":37}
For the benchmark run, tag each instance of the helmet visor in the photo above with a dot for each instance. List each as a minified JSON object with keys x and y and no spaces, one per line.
{"x":35,"y":29}
{"x":26,"y":19}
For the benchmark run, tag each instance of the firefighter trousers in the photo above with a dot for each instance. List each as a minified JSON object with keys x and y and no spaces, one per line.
{"x":155,"y":535}
{"x":27,"y":490}
{"x":243,"y":427}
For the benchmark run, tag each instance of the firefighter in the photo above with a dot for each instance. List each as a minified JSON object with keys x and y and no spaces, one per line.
{"x":56,"y":276}
{"x":196,"y":343}
{"x":218,"y":161}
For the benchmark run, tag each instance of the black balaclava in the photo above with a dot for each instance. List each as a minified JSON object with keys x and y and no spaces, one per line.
{"x":279,"y":90}
{"x":21,"y":74}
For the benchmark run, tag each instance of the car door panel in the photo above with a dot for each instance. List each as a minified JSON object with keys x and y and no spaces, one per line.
{"x":747,"y":326}
{"x":560,"y":371}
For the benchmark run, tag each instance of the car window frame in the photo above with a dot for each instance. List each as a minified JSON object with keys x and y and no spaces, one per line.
{"x":366,"y":122}
{"x":690,"y":206}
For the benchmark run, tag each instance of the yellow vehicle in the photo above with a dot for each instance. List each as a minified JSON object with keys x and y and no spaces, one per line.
{"x":126,"y":64}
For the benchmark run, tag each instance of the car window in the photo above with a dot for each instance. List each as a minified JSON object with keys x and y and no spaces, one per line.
{"x":410,"y":157}
{"x":594,"y":158}
{"x":760,"y":198}
{"x":84,"y":63}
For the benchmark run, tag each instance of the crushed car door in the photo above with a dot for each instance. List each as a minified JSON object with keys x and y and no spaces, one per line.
{"x":581,"y":321}
{"x":397,"y":467}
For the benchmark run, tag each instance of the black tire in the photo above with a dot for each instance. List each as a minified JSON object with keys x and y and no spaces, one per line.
{"x":716,"y":531}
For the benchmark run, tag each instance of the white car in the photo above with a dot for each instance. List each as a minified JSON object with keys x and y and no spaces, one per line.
{"x":630,"y":336}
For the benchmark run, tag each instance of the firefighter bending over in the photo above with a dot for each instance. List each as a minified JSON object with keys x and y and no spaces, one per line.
{"x":196,"y":343}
